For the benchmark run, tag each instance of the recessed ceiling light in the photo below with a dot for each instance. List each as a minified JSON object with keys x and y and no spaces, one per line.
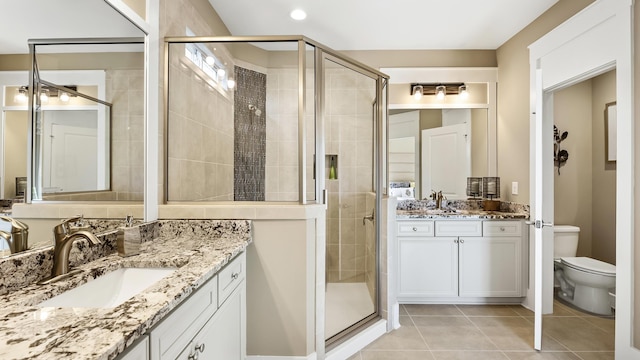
{"x":298,"y":14}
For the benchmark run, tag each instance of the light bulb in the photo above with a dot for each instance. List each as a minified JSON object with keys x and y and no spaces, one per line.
{"x":210,"y":60}
{"x":21,"y":96}
{"x":462,"y":91}
{"x":440,"y":92}
{"x":231,"y":83}
{"x":64,"y":97}
{"x":221,"y":73}
{"x":44,"y":96}
{"x":417,"y":92}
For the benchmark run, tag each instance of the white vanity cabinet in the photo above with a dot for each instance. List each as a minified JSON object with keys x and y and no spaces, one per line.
{"x":460,"y":260}
{"x":210,"y":324}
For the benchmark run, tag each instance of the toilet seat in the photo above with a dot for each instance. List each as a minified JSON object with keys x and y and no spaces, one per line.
{"x":589,"y":265}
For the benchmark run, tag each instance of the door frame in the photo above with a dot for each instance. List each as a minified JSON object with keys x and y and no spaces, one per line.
{"x":601,"y":36}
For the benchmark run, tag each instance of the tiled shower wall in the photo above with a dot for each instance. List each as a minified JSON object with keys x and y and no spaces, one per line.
{"x":199,"y":108}
{"x":282,"y":134}
{"x":250,"y":135}
{"x":125,"y":89}
{"x":201,"y":131}
{"x":349,"y":135}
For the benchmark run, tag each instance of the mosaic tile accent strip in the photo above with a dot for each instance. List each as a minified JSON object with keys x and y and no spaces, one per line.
{"x":250,"y":134}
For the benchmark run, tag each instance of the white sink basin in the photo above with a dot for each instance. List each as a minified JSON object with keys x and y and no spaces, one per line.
{"x":109,"y":290}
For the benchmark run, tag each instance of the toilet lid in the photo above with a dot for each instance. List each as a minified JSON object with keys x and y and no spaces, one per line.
{"x":590,"y":265}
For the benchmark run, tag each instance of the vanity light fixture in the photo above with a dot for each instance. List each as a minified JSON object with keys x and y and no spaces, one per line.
{"x":417,"y":92}
{"x":441,"y":92}
{"x":298,"y":14}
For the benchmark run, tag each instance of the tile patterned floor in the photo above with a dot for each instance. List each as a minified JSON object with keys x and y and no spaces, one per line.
{"x":502,"y":332}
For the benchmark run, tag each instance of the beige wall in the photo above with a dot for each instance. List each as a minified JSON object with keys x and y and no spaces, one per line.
{"x":513,"y":98}
{"x":424,"y":58}
{"x":278,"y":288}
{"x":585,"y":190}
{"x":139,"y":6}
{"x":604,"y":174}
{"x":573,"y":189}
{"x":15,"y":144}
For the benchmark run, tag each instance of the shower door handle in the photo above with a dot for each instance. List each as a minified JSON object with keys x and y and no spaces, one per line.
{"x":368,"y":217}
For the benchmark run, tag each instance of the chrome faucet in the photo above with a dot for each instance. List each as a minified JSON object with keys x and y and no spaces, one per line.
{"x":18,"y":238}
{"x":64,"y":239}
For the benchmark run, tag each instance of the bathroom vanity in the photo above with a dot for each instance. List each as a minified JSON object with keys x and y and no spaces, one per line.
{"x":199,"y":307}
{"x":453,"y":258}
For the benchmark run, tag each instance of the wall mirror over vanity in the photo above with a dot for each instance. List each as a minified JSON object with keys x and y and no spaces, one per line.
{"x":81,"y":137}
{"x":435,"y":143}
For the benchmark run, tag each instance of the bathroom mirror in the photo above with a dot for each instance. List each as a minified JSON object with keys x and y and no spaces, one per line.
{"x":89,"y":147}
{"x":122,"y":70}
{"x":407,"y":131}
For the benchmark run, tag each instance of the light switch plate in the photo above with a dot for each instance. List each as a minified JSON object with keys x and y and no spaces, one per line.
{"x":514,"y":188}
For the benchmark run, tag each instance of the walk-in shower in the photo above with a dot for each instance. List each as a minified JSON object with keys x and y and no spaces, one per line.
{"x":301,"y":123}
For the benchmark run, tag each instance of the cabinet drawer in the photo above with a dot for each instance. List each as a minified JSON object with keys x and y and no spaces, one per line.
{"x":170,"y":337}
{"x":415,"y":228}
{"x":230,"y":276}
{"x":459,"y":228}
{"x":501,"y":228}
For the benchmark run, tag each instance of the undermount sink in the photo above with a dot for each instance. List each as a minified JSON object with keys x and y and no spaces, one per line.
{"x":109,"y":290}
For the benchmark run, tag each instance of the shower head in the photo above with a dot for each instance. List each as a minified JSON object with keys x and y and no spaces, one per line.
{"x":255,"y":110}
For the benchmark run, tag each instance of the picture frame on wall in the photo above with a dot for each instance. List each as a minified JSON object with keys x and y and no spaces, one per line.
{"x":611,"y":131}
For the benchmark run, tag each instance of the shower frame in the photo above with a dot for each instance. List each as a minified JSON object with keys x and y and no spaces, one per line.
{"x":321,"y":194}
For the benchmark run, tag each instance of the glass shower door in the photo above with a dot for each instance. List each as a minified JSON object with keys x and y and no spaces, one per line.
{"x":351,"y":256}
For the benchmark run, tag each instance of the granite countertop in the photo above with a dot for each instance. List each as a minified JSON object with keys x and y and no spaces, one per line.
{"x":30,"y":332}
{"x":459,"y":209}
{"x":458,"y":214}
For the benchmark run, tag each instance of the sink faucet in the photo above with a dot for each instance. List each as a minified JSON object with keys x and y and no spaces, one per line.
{"x":18,"y":237}
{"x":437,"y":197}
{"x":63,"y":241}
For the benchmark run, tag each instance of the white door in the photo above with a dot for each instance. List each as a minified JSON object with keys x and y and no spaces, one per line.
{"x":445,"y":165}
{"x":543,"y":208}
{"x":72,"y":165}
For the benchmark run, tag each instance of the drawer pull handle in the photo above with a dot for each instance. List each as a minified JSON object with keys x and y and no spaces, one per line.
{"x":414,"y":228}
{"x":193,"y":356}
{"x":199,"y":348}
{"x":502,"y":228}
{"x":461,"y":241}
{"x":234,"y":276}
{"x":455,"y":241}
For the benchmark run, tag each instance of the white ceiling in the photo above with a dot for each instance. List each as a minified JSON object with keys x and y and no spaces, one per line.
{"x":21,"y":20}
{"x":386,"y":24}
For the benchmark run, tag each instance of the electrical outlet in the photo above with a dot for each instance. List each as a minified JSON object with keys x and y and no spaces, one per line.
{"x":514,"y":188}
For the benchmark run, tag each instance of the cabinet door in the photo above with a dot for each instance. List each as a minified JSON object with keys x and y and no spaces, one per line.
{"x":140,"y":351}
{"x":490,"y":266}
{"x":223,"y":337}
{"x":428,"y":267}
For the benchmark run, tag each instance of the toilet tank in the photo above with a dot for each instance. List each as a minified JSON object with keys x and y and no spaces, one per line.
{"x":565,"y":240}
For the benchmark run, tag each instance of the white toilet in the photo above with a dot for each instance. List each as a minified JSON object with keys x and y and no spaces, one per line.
{"x":584,"y":282}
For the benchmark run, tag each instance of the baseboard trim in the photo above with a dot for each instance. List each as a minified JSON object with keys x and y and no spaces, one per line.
{"x":358,"y":342}
{"x":259,"y":357}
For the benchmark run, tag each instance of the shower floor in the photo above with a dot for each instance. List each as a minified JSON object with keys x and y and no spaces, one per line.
{"x":345,"y":304}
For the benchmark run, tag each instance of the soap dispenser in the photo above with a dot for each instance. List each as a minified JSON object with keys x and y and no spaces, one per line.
{"x":129,"y":240}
